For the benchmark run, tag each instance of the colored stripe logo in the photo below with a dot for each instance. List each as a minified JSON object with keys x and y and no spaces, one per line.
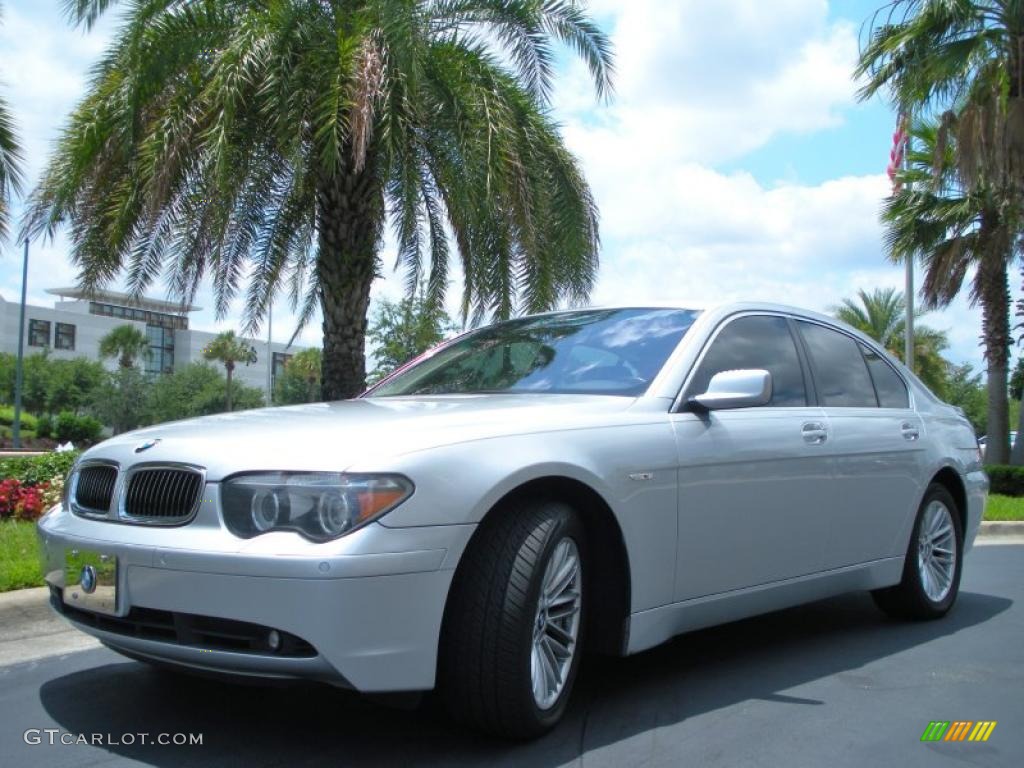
{"x":958,"y":730}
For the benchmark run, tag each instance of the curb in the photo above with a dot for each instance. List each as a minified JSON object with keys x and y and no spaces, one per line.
{"x":1001,"y":529}
{"x":30,"y":630}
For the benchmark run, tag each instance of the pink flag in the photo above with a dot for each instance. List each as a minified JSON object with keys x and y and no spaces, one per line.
{"x":899,"y":146}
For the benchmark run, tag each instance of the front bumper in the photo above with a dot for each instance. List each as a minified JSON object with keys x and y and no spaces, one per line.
{"x":364,"y":611}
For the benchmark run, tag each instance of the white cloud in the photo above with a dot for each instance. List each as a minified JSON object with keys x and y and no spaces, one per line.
{"x":45,"y":69}
{"x":708,"y":82}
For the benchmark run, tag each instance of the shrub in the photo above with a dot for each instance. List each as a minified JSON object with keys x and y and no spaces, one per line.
{"x":53,"y":491}
{"x":33,"y":470}
{"x":196,"y":389}
{"x":51,"y":384}
{"x":28,"y":421}
{"x":19,"y":501}
{"x":1006,"y":480}
{"x":8,"y":432}
{"x":44,"y":426}
{"x":121,"y":400}
{"x":29,"y":485}
{"x":77,"y":429}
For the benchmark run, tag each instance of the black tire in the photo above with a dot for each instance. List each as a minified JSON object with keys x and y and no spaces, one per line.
{"x":908,"y":599}
{"x":487,"y":638}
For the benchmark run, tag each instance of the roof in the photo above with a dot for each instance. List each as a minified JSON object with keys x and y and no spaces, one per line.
{"x":123,"y":300}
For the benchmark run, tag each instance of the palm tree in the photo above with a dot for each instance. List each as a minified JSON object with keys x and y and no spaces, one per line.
{"x":229,"y":350}
{"x":10,"y":164}
{"x":881,"y":315}
{"x":953,"y":230}
{"x":272,"y":142}
{"x":125,"y":342}
{"x":965,"y":60}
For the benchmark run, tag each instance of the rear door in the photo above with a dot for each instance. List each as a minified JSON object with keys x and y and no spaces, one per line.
{"x":877,"y":442}
{"x":753,"y":482}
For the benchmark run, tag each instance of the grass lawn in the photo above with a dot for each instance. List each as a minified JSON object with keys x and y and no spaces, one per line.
{"x":19,"y":556}
{"x":1004,"y":507}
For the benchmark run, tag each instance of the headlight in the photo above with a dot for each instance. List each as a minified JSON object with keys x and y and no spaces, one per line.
{"x":319,"y":505}
{"x":69,"y":483}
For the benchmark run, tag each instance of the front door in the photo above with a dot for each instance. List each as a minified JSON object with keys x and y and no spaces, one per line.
{"x":754,"y":483}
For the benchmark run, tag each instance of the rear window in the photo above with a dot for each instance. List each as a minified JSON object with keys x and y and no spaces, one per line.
{"x":840,"y":373}
{"x":892,"y":392}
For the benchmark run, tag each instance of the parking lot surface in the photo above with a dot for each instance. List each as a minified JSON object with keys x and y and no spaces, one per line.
{"x":834,"y":683}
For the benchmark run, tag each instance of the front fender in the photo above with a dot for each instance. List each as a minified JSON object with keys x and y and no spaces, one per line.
{"x":632,"y":467}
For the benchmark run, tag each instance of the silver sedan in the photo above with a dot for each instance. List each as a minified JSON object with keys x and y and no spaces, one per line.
{"x":592,"y":480}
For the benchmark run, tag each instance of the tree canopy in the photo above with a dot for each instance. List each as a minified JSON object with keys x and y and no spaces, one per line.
{"x":229,"y":350}
{"x":126,"y":343}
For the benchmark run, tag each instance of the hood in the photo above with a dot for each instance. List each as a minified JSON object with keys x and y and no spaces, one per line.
{"x":333,"y":436}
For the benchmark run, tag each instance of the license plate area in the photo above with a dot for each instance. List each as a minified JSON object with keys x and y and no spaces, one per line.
{"x":90,"y":581}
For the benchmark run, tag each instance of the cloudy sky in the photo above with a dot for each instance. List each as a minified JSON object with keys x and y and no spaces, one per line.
{"x":734,"y":161}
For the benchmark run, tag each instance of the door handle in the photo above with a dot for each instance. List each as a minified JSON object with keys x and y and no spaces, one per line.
{"x":814,"y":432}
{"x":909,"y":431}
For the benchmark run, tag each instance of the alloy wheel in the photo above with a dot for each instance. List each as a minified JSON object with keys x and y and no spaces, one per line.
{"x":936,"y":551}
{"x":556,"y":624}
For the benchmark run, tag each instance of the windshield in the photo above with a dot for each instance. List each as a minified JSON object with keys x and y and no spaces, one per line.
{"x":598,"y":351}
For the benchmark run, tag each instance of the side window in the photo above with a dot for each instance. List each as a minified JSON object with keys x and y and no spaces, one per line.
{"x":758,"y":341}
{"x":892,"y":392}
{"x":839,"y":368}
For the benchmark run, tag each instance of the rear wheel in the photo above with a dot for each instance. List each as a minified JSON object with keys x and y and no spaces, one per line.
{"x":513,"y":631}
{"x":931,"y":572}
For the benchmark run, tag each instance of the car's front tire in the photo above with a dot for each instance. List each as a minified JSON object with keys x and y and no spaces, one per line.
{"x":513,"y":633}
{"x":931,"y":571}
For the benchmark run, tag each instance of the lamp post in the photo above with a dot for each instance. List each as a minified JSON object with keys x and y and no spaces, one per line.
{"x":270,"y":355}
{"x":19,"y":372}
{"x":908,"y":279}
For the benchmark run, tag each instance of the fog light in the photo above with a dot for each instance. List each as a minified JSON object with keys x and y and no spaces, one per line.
{"x":274,"y":640}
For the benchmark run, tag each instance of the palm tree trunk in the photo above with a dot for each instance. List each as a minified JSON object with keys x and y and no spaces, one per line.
{"x":349,"y":218}
{"x":1017,"y":450}
{"x":227,"y":396}
{"x":994,"y":293}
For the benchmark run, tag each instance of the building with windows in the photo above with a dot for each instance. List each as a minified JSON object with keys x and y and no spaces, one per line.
{"x":77,"y":321}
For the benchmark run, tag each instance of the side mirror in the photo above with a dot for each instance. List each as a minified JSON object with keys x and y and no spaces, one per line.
{"x":736,"y":389}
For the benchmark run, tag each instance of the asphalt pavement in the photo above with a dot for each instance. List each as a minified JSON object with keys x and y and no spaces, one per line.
{"x":833,"y":683}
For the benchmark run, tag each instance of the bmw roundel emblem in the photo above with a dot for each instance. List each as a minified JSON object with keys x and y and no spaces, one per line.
{"x":88,"y":579}
{"x":146,"y":445}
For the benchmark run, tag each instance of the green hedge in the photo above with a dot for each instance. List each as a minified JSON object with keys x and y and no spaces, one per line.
{"x":1006,"y":480}
{"x":28,"y":421}
{"x":30,"y":470}
{"x":75,"y":428}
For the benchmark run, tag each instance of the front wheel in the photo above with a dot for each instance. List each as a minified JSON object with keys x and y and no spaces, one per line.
{"x":931,"y":571}
{"x":513,"y":630}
